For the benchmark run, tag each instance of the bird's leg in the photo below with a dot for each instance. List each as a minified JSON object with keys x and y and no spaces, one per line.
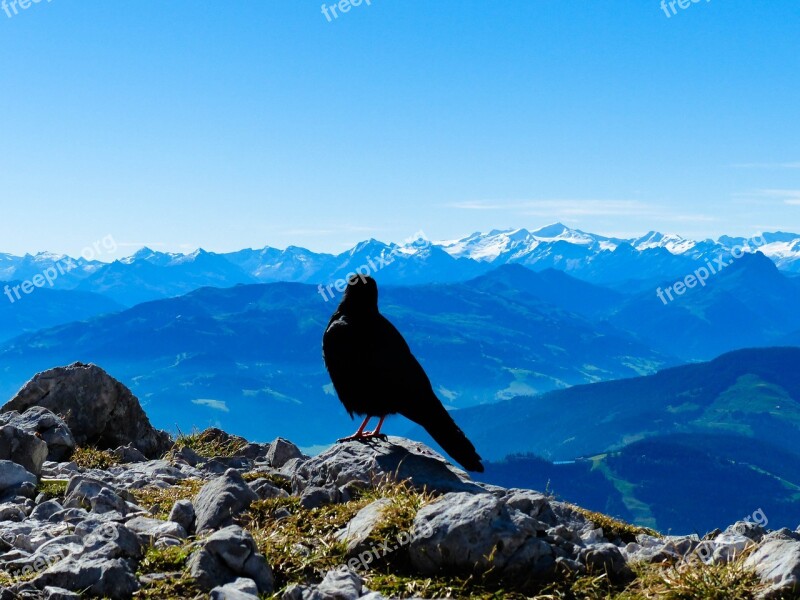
{"x":358,"y":435}
{"x":377,"y":432}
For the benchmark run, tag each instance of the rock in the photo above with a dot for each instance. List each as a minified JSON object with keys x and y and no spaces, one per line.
{"x":460,"y":531}
{"x":264,"y":489}
{"x":339,"y":584}
{"x":360,"y":527}
{"x":221,"y":499}
{"x":241,"y":589}
{"x":56,"y":593}
{"x":605,"y":558}
{"x":316,"y":497}
{"x":12,"y":512}
{"x":52,"y":429}
{"x":532,"y":504}
{"x":106,"y":578}
{"x":91,"y":494}
{"x":23,"y":448}
{"x":777,"y":563}
{"x":45,"y":510}
{"x":227,"y":555}
{"x":748,"y":529}
{"x":729,"y":545}
{"x":186,"y":455}
{"x":151,"y":530}
{"x":13,"y":475}
{"x":98,"y":409}
{"x":282,"y":451}
{"x":182,"y":513}
{"x":108,"y":539}
{"x":129,"y":454}
{"x":368,"y":463}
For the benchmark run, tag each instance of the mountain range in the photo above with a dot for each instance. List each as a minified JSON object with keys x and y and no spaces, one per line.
{"x":627,"y":264}
{"x":227,"y":355}
{"x":580,"y":360}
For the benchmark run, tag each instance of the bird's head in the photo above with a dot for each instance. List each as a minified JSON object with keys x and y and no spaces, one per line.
{"x":361,"y":294}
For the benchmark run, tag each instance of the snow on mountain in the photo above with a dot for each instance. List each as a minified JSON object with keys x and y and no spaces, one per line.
{"x":671,"y":241}
{"x":588,"y":256}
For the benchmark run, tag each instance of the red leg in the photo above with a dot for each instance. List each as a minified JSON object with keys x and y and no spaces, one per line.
{"x":377,"y":432}
{"x":358,"y":434}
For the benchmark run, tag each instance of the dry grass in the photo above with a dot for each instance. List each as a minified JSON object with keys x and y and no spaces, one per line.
{"x":160,"y":500}
{"x":211,"y":443}
{"x":92,"y":458}
{"x":614,"y":528}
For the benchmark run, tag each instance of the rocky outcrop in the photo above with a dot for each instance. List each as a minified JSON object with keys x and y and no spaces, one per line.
{"x":364,"y":463}
{"x":211,"y":525}
{"x":777,"y":563}
{"x":99,"y":410}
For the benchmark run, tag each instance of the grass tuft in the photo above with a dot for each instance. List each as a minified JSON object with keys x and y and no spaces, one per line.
{"x":165,"y":560}
{"x":211,"y":443}
{"x":92,"y":458}
{"x":614,"y":528}
{"x":159,"y":501}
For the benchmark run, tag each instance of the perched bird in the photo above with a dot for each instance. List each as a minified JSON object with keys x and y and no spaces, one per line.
{"x":375,"y":374}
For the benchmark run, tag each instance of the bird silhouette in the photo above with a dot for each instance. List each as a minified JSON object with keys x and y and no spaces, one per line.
{"x":375,"y":374}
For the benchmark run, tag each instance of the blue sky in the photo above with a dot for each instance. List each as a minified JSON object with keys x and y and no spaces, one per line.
{"x":242,"y":124}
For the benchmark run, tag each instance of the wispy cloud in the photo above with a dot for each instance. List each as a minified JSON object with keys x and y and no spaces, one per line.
{"x":334,"y":230}
{"x":215,"y":404}
{"x":784,"y":165}
{"x":569,"y":208}
{"x":790,"y":197}
{"x":564,"y":206}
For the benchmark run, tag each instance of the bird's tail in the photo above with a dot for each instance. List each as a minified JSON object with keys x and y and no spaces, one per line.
{"x":441,"y":427}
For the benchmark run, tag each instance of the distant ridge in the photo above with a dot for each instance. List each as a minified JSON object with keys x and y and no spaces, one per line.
{"x":626,"y":264}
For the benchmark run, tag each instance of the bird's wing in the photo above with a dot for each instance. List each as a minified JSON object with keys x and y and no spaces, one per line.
{"x":399,"y":368}
{"x":343,"y":355}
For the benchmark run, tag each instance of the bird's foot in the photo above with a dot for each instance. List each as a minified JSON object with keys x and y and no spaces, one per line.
{"x":353,"y":438}
{"x":360,"y":437}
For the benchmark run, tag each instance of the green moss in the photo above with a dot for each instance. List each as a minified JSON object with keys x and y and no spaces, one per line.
{"x":53,"y":488}
{"x":165,"y":560}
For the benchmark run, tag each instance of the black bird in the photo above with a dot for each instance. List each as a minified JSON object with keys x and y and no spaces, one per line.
{"x":376,"y":375}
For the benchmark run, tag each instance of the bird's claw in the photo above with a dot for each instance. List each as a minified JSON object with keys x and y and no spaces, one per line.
{"x":362,"y":437}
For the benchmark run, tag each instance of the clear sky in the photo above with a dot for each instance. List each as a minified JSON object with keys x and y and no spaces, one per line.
{"x":235,"y":124}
